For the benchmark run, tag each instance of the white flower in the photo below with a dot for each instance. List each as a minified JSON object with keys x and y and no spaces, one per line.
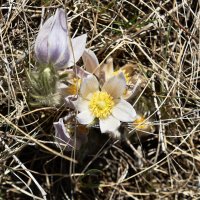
{"x":105,"y":104}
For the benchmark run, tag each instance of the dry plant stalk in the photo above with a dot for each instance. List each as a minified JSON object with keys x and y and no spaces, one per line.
{"x":157,"y":156}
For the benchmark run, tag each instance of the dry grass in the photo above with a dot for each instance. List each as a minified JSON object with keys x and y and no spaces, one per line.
{"x":162,"y":39}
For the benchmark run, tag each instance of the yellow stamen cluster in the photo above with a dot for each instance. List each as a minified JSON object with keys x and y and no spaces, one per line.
{"x":126,"y":75}
{"x":101,"y":104}
{"x":74,"y":87}
{"x":140,"y":123}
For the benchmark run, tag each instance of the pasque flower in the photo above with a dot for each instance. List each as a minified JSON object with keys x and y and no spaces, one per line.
{"x":53,"y":44}
{"x":70,"y":90}
{"x":104,"y":104}
{"x":106,"y":71}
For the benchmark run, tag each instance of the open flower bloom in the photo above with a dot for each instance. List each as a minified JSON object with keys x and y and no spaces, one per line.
{"x":53,"y":44}
{"x":105,"y":104}
{"x":106,"y":71}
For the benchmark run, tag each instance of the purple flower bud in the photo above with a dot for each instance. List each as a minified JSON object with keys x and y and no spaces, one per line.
{"x":63,"y":138}
{"x":53,"y":44}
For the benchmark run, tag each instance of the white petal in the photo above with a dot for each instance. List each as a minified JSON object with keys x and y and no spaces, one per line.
{"x":81,"y":73}
{"x":77,"y":49}
{"x":107,"y":68}
{"x":85,"y":117}
{"x":109,"y":124}
{"x":124,"y":111}
{"x":81,"y":104}
{"x":115,"y":86}
{"x":90,"y":61}
{"x":89,"y":85}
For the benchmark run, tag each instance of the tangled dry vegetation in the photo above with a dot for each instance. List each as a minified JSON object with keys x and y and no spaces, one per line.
{"x":161,"y":39}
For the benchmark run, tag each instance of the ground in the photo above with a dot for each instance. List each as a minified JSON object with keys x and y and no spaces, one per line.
{"x":156,"y":160}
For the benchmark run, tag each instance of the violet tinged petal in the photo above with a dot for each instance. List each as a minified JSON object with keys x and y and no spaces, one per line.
{"x":81,"y":73}
{"x":58,"y":40}
{"x":69,"y":101}
{"x":61,"y":135}
{"x":41,"y":52}
{"x":62,"y":61}
{"x":90,"y":61}
{"x":41,"y":47}
{"x":64,"y":57}
{"x":77,"y":49}
{"x":53,"y":43}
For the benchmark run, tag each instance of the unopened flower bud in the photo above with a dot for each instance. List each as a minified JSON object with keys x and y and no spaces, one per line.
{"x":53,"y":44}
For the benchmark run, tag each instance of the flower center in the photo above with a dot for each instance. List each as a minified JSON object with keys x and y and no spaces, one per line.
{"x":101,"y":104}
{"x":140,"y":123}
{"x":74,"y":87}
